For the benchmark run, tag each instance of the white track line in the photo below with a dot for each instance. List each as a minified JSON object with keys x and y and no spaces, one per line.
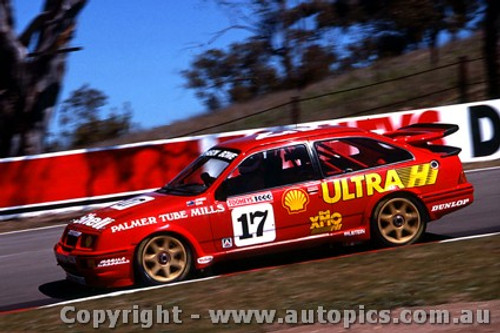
{"x":33,"y":229}
{"x":483,"y":169}
{"x":77,"y":200}
{"x":133,"y":291}
{"x":127,"y":292}
{"x":469,"y":237}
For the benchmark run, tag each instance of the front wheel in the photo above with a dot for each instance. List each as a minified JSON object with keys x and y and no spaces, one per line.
{"x":397,"y":221}
{"x":163,"y":259}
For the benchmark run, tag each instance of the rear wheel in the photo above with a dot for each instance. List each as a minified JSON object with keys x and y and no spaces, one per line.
{"x":398,"y":221}
{"x":163,"y":259}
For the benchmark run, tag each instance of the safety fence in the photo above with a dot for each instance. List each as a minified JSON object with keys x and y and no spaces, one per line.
{"x":461,"y":81}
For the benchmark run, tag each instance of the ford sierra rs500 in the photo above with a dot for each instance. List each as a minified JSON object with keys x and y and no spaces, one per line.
{"x":267,"y":192}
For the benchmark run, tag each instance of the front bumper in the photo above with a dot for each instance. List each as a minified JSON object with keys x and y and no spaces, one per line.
{"x":103,"y":270}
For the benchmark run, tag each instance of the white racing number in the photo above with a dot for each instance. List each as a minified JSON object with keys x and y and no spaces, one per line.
{"x":253,"y":224}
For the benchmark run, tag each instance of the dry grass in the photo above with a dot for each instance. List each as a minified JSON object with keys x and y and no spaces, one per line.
{"x":349,"y":103}
{"x":417,"y":276}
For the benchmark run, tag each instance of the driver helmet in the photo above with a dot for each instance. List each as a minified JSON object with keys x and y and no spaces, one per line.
{"x":251,"y":164}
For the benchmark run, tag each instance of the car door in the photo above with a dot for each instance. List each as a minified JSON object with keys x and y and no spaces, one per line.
{"x":270,"y":198}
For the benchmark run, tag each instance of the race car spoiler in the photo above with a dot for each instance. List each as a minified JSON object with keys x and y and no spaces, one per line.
{"x":422,"y":134}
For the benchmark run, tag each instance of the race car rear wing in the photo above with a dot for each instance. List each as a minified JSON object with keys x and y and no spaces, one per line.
{"x":421,"y":135}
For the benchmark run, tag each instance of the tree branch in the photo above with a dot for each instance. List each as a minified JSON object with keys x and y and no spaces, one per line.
{"x":35,"y":25}
{"x":218,"y":35}
{"x":12,"y":52}
{"x":58,"y":51}
{"x":6,"y":17}
{"x":64,"y":16}
{"x":221,"y":33}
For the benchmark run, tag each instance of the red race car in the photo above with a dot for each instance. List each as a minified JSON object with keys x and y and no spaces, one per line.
{"x":272,"y":191}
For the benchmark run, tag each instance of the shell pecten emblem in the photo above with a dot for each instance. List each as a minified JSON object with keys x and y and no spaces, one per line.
{"x":295,"y":200}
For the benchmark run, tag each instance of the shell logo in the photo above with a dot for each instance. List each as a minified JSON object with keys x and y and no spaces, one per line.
{"x":295,"y":200}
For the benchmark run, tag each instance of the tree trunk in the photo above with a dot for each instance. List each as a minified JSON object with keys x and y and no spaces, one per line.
{"x":490,"y":47}
{"x":32,"y":66}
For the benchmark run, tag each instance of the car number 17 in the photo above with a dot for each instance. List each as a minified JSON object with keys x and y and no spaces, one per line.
{"x":253,"y":224}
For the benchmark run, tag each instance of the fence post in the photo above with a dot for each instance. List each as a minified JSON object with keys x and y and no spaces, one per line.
{"x":462,"y":79}
{"x":295,"y":109}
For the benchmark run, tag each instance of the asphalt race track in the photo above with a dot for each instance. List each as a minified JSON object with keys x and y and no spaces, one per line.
{"x":29,"y":276}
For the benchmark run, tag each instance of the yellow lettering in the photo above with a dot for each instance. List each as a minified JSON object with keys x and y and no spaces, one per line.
{"x":314,"y":222}
{"x":326,"y":192}
{"x":336,"y":219}
{"x":325,"y":221}
{"x":346,"y":195}
{"x":324,"y":216}
{"x":373,"y":181}
{"x":418,"y":175}
{"x":357,"y":180}
{"x":392,"y":180}
{"x":432,"y":177}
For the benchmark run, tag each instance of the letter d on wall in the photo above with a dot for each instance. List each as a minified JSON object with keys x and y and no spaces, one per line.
{"x":482,"y":146}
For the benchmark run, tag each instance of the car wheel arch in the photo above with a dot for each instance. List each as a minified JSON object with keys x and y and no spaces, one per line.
{"x":372,"y":206}
{"x":372,"y":211}
{"x":193,"y":251}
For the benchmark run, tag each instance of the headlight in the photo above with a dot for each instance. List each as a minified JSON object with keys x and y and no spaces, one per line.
{"x":88,"y":241}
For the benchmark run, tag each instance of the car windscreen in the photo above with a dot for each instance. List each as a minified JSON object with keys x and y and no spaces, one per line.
{"x":200,"y":174}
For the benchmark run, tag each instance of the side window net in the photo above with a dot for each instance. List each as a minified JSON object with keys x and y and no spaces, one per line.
{"x":352,"y":154}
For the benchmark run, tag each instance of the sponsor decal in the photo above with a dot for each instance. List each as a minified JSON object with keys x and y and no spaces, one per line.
{"x":134,"y":224}
{"x":208,"y":210}
{"x":295,"y":200}
{"x":368,"y":184}
{"x":132,"y":202}
{"x":354,"y":232}
{"x":326,"y":222}
{"x":253,"y":224}
{"x":222,"y":154}
{"x":193,"y":212}
{"x":227,"y":243}
{"x":484,"y":132}
{"x":250,"y":199}
{"x":91,"y":220}
{"x":174,"y":216}
{"x":196,"y":202}
{"x":450,"y":205}
{"x":205,"y":260}
{"x":113,"y":262}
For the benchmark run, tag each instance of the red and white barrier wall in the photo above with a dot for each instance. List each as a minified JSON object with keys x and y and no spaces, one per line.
{"x":88,"y":176}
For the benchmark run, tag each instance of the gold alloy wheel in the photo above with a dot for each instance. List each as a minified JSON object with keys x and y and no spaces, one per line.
{"x":399,"y":221}
{"x":164,"y":258}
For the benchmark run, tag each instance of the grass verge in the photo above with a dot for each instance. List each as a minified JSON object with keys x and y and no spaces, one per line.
{"x":420,"y":275}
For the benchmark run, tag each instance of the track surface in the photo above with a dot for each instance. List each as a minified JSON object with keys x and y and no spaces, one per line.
{"x":29,"y":275}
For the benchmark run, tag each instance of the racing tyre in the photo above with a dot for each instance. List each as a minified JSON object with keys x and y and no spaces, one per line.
{"x":397,"y":221}
{"x":162,"y":259}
